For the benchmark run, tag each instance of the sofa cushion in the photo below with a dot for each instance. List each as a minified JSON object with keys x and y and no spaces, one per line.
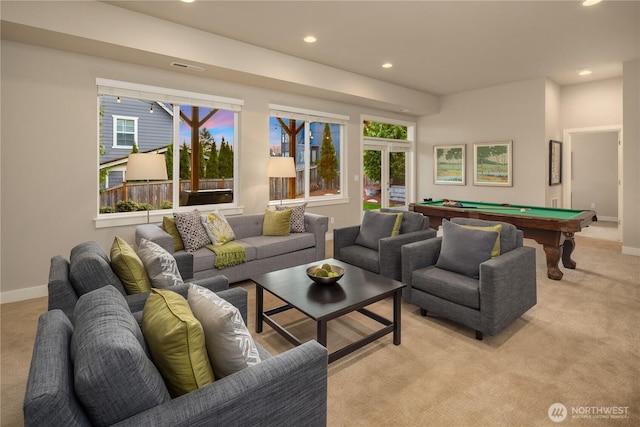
{"x":270,"y":246}
{"x":276,"y":223}
{"x":217,"y":228}
{"x":464,"y":249}
{"x":229,"y":344}
{"x":375,"y":226}
{"x":50,"y":399}
{"x":169,"y":225}
{"x":297,"y":217}
{"x":90,"y":269}
{"x":177,"y":342}
{"x":193,"y":234}
{"x":362,"y":257}
{"x":113,"y":375}
{"x":129,"y":267}
{"x":411,"y":221}
{"x":161,"y":266}
{"x":448,"y":285}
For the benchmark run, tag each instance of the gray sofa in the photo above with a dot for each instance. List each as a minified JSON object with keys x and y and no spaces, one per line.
{"x":89,"y":268}
{"x":287,"y":389}
{"x":264,"y":253}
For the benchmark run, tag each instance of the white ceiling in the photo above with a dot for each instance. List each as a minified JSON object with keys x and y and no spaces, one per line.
{"x":437,"y":47}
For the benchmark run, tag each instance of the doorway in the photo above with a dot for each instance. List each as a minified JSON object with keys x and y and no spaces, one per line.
{"x":384,"y":176}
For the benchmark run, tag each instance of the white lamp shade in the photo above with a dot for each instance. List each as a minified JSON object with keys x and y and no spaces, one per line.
{"x":146,"y":166}
{"x":281,"y":167}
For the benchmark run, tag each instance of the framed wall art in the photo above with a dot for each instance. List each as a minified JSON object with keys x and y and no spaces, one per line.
{"x":449,"y":164}
{"x":493,"y":164}
{"x":555,"y":162}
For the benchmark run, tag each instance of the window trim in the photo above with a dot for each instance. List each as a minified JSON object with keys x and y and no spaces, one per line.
{"x":114,"y":143}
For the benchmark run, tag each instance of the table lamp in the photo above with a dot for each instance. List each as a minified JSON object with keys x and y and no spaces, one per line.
{"x":146,"y":167}
{"x":281,"y":167}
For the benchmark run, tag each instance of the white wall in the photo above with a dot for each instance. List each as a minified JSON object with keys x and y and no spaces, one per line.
{"x":595,"y":173}
{"x":49,"y":154}
{"x":552,"y":132}
{"x":513,"y":112}
{"x":592,"y":104}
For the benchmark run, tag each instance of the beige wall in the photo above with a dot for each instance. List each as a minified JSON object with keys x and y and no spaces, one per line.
{"x":631,"y":158}
{"x":49,"y":154}
{"x":514,"y":112}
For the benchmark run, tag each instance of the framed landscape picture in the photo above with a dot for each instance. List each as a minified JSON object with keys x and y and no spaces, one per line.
{"x":493,"y":163}
{"x":555,"y":162}
{"x":449,"y":164}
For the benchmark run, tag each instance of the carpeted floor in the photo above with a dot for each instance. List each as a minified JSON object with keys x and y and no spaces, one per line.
{"x":578,"y":346}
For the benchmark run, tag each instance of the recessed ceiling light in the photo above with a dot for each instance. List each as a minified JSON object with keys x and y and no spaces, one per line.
{"x":310,"y":39}
{"x":590,"y":2}
{"x":387,"y":65}
{"x":584,"y":72}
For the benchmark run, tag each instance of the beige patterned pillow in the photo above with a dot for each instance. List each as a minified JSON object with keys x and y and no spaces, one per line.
{"x":217,"y":228}
{"x":161,"y":266}
{"x":193,"y":234}
{"x":297,"y":216}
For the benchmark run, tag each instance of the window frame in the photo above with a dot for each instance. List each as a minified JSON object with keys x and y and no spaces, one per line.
{"x":115,"y":88}
{"x":312,"y":116}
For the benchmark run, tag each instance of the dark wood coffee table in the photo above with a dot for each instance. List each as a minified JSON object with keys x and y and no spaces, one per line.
{"x":353,"y":292}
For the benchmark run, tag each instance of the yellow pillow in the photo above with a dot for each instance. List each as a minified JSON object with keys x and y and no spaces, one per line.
{"x":169,"y":225}
{"x":129,"y":267}
{"x":495,"y":252}
{"x":176,"y":341}
{"x":276,"y":223}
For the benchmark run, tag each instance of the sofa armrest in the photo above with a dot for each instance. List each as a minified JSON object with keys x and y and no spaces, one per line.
{"x":390,"y":255}
{"x":318,"y":225}
{"x":238,"y":298}
{"x":155,"y":234}
{"x":61,"y":292}
{"x":343,"y":237}
{"x":418,"y":255}
{"x":287,"y":389}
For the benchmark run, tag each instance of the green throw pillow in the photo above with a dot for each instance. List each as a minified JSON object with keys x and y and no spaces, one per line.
{"x":169,"y":225}
{"x":276,"y":223}
{"x":129,"y":268}
{"x":495,"y":252}
{"x":176,"y":341}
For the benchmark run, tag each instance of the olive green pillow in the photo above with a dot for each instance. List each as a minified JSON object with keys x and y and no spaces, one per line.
{"x":276,"y":223}
{"x":176,"y":341}
{"x":129,"y":268}
{"x":169,"y":225}
{"x":495,"y":252}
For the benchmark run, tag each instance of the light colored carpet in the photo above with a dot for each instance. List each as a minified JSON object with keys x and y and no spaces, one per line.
{"x":578,"y":346}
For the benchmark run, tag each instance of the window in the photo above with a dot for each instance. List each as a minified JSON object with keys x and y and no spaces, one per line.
{"x":125,"y":132}
{"x":315,"y":140}
{"x":196,"y":133}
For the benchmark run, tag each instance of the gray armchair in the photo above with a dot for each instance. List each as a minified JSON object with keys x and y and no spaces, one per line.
{"x":379,"y":254}
{"x":504,"y":289}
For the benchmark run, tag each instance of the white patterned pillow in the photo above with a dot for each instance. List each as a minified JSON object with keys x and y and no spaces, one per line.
{"x":217,"y":228}
{"x":229,"y":343}
{"x":161,"y":266}
{"x":297,"y":216}
{"x":193,"y":234}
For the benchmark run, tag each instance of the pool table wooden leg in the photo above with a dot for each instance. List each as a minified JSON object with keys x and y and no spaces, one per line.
{"x":553,"y":258}
{"x":567,"y":249}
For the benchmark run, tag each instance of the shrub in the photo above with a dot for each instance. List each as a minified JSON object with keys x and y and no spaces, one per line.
{"x":167,"y":204}
{"x":145,"y":207}
{"x":126,"y":206}
{"x":106,"y":209}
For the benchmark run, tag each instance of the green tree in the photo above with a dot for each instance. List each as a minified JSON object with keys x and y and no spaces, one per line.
{"x":202,"y":163}
{"x":371,"y":163}
{"x":328,"y":165}
{"x":212,"y":163}
{"x":134,"y":148}
{"x":185,"y":163}
{"x":225,"y":160}
{"x":168,"y":159}
{"x":384,"y":130}
{"x":104,"y":172}
{"x":372,"y":158}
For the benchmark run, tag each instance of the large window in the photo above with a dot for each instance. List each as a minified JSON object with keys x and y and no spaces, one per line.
{"x":315,"y":141}
{"x":196,"y":133}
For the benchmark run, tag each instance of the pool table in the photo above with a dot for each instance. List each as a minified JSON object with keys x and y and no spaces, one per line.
{"x":553,"y":228}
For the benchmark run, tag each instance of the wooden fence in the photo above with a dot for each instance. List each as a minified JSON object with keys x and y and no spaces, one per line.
{"x":159,"y":191}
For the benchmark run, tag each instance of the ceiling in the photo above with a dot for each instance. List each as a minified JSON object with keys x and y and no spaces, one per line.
{"x":437,"y":47}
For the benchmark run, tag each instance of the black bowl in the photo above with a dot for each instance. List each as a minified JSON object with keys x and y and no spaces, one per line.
{"x":325,"y":280}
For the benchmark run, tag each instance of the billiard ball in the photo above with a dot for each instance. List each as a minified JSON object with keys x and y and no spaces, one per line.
{"x":523,"y":210}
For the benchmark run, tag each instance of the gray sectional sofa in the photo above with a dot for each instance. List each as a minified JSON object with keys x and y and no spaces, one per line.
{"x":126,"y":390}
{"x":264,"y":253}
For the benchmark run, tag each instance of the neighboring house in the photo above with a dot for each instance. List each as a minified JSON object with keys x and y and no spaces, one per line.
{"x":126,"y":123}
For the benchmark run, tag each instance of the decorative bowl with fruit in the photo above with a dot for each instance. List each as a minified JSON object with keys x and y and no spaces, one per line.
{"x":325,"y":274}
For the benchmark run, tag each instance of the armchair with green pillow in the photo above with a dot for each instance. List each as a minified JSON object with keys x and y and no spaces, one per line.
{"x":375,"y":244}
{"x":478,"y":274}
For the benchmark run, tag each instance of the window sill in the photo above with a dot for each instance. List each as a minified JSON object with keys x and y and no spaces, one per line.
{"x":155,"y":217}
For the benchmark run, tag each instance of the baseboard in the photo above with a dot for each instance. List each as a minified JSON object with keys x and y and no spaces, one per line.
{"x":608,"y":218}
{"x":23,"y":294}
{"x":628,"y":250}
